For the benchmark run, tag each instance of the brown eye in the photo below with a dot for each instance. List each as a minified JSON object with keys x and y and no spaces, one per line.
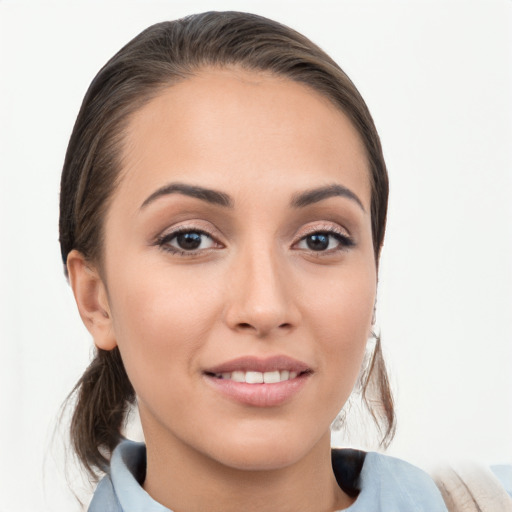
{"x":189,"y":241}
{"x":324,"y":241}
{"x":186,"y":241}
{"x":318,"y":241}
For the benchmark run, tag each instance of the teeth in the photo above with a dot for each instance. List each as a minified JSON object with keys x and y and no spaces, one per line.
{"x":254,"y":377}
{"x":238,"y":376}
{"x":271,"y":377}
{"x":258,"y":377}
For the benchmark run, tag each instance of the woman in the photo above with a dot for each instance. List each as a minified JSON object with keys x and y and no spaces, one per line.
{"x":223,"y":206}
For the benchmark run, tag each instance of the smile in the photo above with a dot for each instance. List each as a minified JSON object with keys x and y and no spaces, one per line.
{"x":259,"y":382}
{"x":255,"y":377}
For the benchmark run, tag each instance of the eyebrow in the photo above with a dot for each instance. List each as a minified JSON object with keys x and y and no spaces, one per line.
{"x":319,"y":194}
{"x":218,"y":198}
{"x":205,"y":194}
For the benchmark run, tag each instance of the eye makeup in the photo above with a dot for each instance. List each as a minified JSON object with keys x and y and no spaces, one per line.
{"x":186,"y":241}
{"x":323,"y":239}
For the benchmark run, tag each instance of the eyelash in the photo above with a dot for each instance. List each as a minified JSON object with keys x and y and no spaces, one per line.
{"x":345,"y":242}
{"x":164,"y":241}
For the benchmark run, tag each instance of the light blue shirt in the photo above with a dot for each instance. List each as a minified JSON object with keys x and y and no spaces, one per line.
{"x":386,"y":484}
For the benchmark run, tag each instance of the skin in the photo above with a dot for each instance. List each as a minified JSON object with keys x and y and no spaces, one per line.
{"x":254,"y":287}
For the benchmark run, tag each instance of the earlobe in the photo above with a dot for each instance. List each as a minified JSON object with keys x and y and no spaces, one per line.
{"x":92,"y":300}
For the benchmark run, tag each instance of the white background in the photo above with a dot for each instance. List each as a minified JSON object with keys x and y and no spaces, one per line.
{"x":437,"y":79}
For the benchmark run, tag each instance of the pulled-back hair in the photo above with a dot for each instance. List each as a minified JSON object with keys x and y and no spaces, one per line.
{"x":160,"y":56}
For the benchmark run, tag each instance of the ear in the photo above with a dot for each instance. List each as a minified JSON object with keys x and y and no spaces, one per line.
{"x":92,"y":300}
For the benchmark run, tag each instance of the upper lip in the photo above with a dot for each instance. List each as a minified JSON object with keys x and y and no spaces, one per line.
{"x":260,"y":364}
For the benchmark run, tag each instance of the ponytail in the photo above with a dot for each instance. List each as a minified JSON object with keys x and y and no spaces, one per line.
{"x":104,"y":395}
{"x":377,"y":396}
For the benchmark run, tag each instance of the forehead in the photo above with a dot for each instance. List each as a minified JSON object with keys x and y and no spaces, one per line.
{"x":224,"y":126}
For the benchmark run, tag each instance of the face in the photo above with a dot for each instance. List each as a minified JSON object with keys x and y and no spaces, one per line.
{"x":238,"y":249}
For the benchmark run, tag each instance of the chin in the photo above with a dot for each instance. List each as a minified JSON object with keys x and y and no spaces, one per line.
{"x":261,"y":452}
{"x":261,"y":460}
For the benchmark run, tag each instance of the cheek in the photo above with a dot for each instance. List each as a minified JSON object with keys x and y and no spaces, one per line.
{"x":343,"y":302}
{"x":340,"y":317}
{"x":161,"y":321}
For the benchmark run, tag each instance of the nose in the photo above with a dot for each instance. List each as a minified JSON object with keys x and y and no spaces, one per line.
{"x":261,"y":298}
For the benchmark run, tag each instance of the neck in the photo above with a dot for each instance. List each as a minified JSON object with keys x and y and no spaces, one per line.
{"x":184,"y":480}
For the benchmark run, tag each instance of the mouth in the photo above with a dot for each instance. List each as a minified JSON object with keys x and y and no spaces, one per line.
{"x":258,"y":382}
{"x":256,"y":370}
{"x":256,"y":377}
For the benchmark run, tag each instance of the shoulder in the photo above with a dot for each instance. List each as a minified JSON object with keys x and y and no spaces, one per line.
{"x":389,"y":472}
{"x":390,"y":484}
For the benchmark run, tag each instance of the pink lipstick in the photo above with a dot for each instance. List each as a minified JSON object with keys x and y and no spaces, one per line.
{"x":259,"y":382}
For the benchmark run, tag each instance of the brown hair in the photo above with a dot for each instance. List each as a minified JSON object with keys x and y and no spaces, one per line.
{"x":160,"y":56}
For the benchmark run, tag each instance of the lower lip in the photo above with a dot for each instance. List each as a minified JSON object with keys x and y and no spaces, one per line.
{"x":259,"y":395}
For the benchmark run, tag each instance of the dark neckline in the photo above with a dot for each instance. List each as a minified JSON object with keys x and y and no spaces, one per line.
{"x":347,"y":464}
